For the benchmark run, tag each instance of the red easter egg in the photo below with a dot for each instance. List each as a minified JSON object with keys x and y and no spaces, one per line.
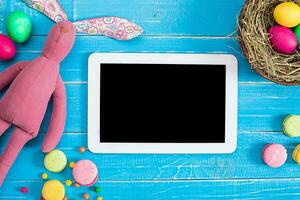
{"x":7,"y":48}
{"x":283,"y":39}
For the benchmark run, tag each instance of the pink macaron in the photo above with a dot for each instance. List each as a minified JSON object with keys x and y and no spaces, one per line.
{"x":274,"y":155}
{"x":85,"y":173}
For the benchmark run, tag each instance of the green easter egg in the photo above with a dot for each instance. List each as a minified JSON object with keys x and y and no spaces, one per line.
{"x":297,"y":33}
{"x":18,"y":26}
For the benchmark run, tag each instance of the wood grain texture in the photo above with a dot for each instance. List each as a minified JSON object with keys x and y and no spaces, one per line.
{"x":157,"y":17}
{"x":246,"y":162}
{"x":245,"y":189}
{"x":176,"y":26}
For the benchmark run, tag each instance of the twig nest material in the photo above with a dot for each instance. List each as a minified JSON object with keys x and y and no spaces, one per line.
{"x":255,"y":21}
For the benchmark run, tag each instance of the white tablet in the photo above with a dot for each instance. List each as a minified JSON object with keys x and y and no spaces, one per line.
{"x":162,"y":103}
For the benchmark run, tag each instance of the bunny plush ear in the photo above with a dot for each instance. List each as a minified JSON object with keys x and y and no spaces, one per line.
{"x":50,"y":8}
{"x":114,"y":27}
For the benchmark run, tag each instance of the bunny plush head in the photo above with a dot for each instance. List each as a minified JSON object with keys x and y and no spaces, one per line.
{"x":59,"y":41}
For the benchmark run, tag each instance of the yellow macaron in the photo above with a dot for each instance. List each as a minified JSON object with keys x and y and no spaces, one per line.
{"x":53,"y":190}
{"x":296,"y":154}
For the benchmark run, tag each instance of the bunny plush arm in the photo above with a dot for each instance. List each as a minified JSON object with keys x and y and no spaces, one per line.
{"x":58,"y":118}
{"x":25,"y":102}
{"x":8,"y":75}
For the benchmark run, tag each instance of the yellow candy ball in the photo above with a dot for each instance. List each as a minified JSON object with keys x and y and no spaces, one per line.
{"x":287,"y":14}
{"x":68,"y":182}
{"x":44,"y":176}
{"x":99,"y":198}
{"x":53,"y":190}
{"x":72,"y":164}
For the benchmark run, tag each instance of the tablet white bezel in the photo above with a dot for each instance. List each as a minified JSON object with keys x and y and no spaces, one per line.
{"x":96,"y":146}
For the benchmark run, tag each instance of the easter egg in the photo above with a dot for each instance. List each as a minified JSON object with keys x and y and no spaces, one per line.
{"x":18,"y":26}
{"x":287,"y":14}
{"x":7,"y":48}
{"x":283,"y":40}
{"x":297,"y":33}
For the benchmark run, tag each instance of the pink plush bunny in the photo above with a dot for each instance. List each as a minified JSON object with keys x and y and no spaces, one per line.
{"x":25,"y":102}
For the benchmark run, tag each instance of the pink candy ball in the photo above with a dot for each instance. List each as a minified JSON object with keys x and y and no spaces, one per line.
{"x":274,"y":155}
{"x":24,"y":189}
{"x":7,"y":48}
{"x":283,"y":40}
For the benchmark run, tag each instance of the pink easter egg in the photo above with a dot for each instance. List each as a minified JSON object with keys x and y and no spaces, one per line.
{"x":283,"y":40}
{"x":7,"y":48}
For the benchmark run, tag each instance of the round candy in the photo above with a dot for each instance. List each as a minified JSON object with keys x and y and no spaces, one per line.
{"x":68,"y":182}
{"x":18,"y":26}
{"x":297,"y":33}
{"x":86,"y":196}
{"x":7,"y":48}
{"x":76,"y":185}
{"x":96,"y":189}
{"x":291,"y":125}
{"x":274,"y":155}
{"x":99,"y":198}
{"x":296,"y":154}
{"x":72,"y":164}
{"x":53,"y":190}
{"x":55,"y":161}
{"x":44,"y":176}
{"x":287,"y":14}
{"x":283,"y":40}
{"x":24,"y":189}
{"x":81,"y":149}
{"x":85,"y":172}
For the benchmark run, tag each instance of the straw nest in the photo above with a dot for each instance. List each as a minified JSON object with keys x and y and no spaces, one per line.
{"x":255,"y":21}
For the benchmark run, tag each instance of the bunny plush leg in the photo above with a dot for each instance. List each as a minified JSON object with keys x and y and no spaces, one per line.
{"x":8,"y":75}
{"x":57,"y":122}
{"x":3,"y":126}
{"x":18,"y":139}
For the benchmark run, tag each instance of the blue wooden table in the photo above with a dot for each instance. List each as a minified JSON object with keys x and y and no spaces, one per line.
{"x":193,"y":26}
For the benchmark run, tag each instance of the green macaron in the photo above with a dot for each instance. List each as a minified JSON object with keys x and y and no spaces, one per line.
{"x":291,"y":125}
{"x":55,"y":161}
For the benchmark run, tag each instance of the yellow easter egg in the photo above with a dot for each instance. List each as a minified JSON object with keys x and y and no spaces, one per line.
{"x":287,"y":14}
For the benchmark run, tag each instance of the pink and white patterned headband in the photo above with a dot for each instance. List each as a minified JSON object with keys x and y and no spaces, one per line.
{"x":114,"y":27}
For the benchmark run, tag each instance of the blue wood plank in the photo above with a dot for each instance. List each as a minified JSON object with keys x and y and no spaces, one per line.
{"x":74,"y":67}
{"x":283,"y":189}
{"x":262,"y":107}
{"x":157,"y":17}
{"x":245,"y":163}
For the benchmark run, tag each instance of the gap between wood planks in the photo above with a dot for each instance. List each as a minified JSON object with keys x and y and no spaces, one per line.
{"x":172,"y":180}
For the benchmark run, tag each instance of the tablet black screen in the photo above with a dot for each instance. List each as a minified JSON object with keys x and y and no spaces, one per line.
{"x":159,"y":103}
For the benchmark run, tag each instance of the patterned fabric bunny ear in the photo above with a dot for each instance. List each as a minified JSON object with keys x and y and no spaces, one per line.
{"x":114,"y":27}
{"x":50,"y":8}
